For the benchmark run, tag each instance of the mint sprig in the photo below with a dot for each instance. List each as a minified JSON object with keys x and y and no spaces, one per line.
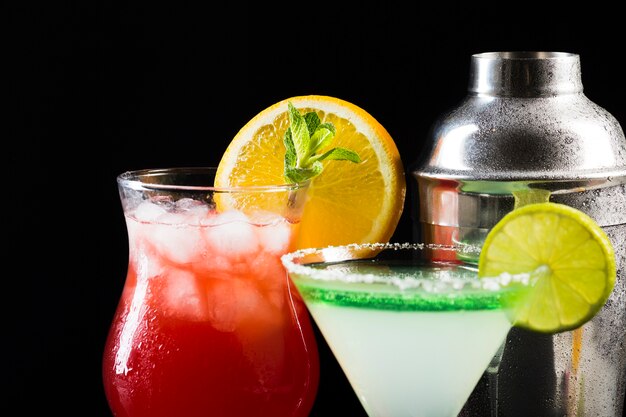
{"x":304,"y":138}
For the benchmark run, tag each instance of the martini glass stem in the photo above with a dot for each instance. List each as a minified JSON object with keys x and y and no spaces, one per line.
{"x":492,"y":374}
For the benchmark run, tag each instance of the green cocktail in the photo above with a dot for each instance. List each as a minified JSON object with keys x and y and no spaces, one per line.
{"x":412,"y":334}
{"x":414,"y":326}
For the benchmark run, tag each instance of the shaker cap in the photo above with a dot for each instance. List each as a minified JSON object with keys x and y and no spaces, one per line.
{"x":525,"y":73}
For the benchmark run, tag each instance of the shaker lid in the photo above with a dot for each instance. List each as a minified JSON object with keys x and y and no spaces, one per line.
{"x":525,"y":118}
{"x":525,"y":74}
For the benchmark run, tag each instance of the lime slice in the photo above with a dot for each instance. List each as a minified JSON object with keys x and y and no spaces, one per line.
{"x":570,"y":259}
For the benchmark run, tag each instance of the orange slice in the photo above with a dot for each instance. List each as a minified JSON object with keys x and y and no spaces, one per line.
{"x":347,"y":202}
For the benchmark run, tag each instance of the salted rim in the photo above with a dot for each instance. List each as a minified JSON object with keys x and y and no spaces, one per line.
{"x":444,"y":283}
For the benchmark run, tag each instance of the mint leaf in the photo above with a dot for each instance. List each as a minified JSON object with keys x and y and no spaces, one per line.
{"x":322,"y":136}
{"x":303,"y":139}
{"x":304,"y":174}
{"x":299,"y":134}
{"x":340,"y":154}
{"x":312,"y":121}
{"x":290,"y":154}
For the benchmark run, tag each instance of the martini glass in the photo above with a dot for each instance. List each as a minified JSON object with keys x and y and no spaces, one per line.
{"x":411,"y":325}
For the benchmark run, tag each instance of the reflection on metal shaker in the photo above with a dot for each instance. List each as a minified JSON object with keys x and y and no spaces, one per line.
{"x":525,"y":124}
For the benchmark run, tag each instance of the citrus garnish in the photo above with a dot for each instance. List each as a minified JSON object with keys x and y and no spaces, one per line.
{"x":355,"y":201}
{"x":569,"y":257}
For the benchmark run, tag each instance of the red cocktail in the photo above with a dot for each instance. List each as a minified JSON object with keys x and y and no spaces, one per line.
{"x":208,"y":324}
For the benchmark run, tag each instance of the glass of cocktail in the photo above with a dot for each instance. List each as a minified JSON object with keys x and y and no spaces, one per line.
{"x":414,"y":326}
{"x":412,"y":330}
{"x":207,"y":324}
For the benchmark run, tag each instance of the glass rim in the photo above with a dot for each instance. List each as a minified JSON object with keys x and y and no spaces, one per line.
{"x":340,"y":253}
{"x":132,"y":179}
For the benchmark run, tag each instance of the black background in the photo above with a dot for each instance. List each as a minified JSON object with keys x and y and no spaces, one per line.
{"x":98,"y":88}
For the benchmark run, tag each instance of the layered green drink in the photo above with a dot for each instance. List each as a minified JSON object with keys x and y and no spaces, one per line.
{"x":414,"y":326}
{"x":413,"y":334}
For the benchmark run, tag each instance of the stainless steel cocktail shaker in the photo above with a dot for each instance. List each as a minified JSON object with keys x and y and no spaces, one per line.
{"x":526,"y":124}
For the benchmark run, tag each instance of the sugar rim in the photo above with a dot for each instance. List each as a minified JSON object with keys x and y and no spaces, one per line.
{"x":445,"y":283}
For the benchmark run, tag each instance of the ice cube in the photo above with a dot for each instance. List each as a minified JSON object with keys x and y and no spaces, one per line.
{"x":179,"y":242}
{"x":182,"y":296}
{"x":148,"y":212}
{"x":275,"y":238}
{"x":195,"y":211}
{"x":228,"y":216}
{"x":232,"y":236}
{"x":221,"y":304}
{"x":186,"y":204}
{"x":265,"y":218}
{"x":214,"y":264}
{"x":269,"y":272}
{"x":211,"y":219}
{"x":135,"y":232}
{"x":254,"y":309}
{"x":235,"y":304}
{"x":145,"y":262}
{"x":141,"y":250}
